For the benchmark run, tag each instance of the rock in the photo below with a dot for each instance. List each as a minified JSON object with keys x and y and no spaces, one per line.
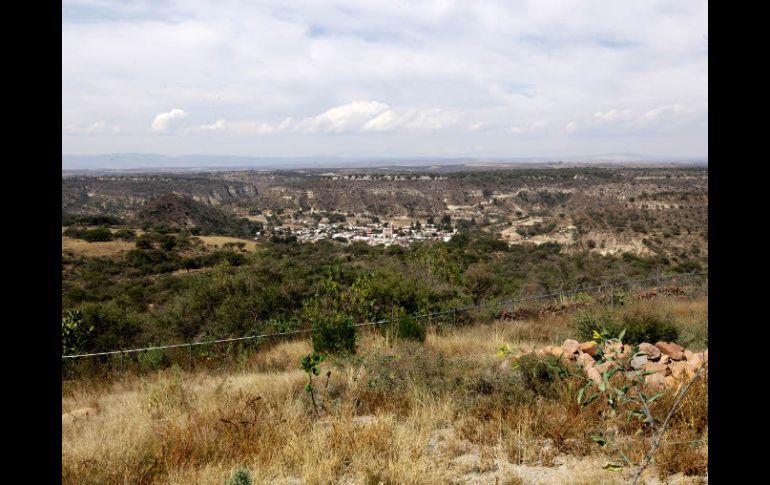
{"x":670,"y":381}
{"x":586,"y":361}
{"x":688,"y":354}
{"x":77,"y":414}
{"x":554,"y":350}
{"x":626,"y":352}
{"x":706,"y":355}
{"x":571,"y":346}
{"x":656,"y":380}
{"x":676,"y":352}
{"x":613,"y":345}
{"x":657,"y":367}
{"x":588,"y":348}
{"x":653,"y":353}
{"x":664,"y":359}
{"x":594,"y":375}
{"x":605,"y":366}
{"x":678,"y":370}
{"x":639,"y":361}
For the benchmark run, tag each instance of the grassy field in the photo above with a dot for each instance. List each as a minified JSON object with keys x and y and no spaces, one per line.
{"x":442,"y":411}
{"x":79,"y":247}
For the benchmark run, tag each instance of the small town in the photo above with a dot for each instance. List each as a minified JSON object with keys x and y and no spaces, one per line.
{"x":373,"y":234}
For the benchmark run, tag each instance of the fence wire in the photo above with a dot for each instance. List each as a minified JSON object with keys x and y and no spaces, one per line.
{"x":453,"y":311}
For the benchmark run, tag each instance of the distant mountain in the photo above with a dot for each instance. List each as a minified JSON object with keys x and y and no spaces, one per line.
{"x":143,"y":161}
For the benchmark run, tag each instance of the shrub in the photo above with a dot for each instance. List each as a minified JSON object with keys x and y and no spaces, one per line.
{"x":541,"y":375}
{"x":240,"y":477}
{"x":153,"y":359}
{"x":640,"y":326}
{"x":410,"y":329}
{"x":334,"y":336}
{"x":98,"y":234}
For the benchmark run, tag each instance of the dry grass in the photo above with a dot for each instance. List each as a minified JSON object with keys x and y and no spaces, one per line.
{"x":397,"y":412}
{"x":79,"y":247}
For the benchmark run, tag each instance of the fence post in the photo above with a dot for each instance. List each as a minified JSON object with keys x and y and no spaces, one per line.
{"x":121,"y":361}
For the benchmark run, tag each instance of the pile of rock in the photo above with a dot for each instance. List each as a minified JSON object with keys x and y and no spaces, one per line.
{"x":670,"y":363}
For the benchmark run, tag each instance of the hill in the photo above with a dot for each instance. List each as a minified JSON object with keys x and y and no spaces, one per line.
{"x":178,"y":211}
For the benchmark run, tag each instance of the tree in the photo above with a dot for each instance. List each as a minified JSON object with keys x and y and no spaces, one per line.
{"x":479,"y":280}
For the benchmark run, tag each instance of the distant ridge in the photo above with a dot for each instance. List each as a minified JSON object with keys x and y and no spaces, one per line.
{"x":145,"y":161}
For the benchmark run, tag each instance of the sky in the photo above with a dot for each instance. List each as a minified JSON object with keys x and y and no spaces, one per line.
{"x":385,"y":78}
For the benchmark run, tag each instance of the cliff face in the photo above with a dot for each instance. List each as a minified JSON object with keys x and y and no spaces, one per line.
{"x":126,"y":195}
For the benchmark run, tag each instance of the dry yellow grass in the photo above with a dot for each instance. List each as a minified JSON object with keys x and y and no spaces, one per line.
{"x":399,"y":412}
{"x":79,"y":247}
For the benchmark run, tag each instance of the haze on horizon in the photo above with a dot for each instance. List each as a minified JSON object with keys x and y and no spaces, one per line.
{"x":385,"y":78}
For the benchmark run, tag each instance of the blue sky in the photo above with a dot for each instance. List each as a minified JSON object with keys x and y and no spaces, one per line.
{"x":385,"y":78}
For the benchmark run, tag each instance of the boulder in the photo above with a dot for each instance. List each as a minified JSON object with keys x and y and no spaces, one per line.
{"x":605,"y":366}
{"x":639,"y":361}
{"x":652,"y":352}
{"x":655,"y":381}
{"x":588,"y":348}
{"x":664,"y":359}
{"x":657,"y":367}
{"x":571,"y":346}
{"x":706,"y":355}
{"x":678,"y":370}
{"x":613,"y":345}
{"x":688,"y":354}
{"x":676,"y":352}
{"x":594,"y":375}
{"x":586,"y":361}
{"x":626,"y":352}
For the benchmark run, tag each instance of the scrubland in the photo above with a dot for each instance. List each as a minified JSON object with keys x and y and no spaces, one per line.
{"x":439,"y":411}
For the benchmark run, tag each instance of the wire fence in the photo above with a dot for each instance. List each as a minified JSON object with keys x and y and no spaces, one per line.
{"x":686,"y":285}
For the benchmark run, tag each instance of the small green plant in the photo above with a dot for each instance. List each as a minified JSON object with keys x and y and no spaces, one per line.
{"x":309,"y":364}
{"x":639,"y":326}
{"x":241,"y":476}
{"x":75,"y":333}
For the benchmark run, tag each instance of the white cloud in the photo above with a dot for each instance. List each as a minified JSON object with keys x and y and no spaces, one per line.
{"x":348,"y":117}
{"x":161,"y":122}
{"x":218,"y":125}
{"x":497,"y":67}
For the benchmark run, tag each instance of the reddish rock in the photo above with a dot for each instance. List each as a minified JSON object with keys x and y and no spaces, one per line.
{"x":706,"y":355}
{"x":676,"y":352}
{"x":571,"y":346}
{"x":605,"y":366}
{"x":594,"y":375}
{"x":688,"y":354}
{"x":613,"y":345}
{"x":678,"y":370}
{"x":586,"y":361}
{"x":588,"y":348}
{"x":652,"y":352}
{"x":664,"y":359}
{"x":657,"y":367}
{"x":657,"y":381}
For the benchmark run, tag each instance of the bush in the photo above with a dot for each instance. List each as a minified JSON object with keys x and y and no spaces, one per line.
{"x":640,"y":326}
{"x":241,"y":477}
{"x":410,"y":329}
{"x":541,"y":375}
{"x":334,"y":336}
{"x":98,"y":234}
